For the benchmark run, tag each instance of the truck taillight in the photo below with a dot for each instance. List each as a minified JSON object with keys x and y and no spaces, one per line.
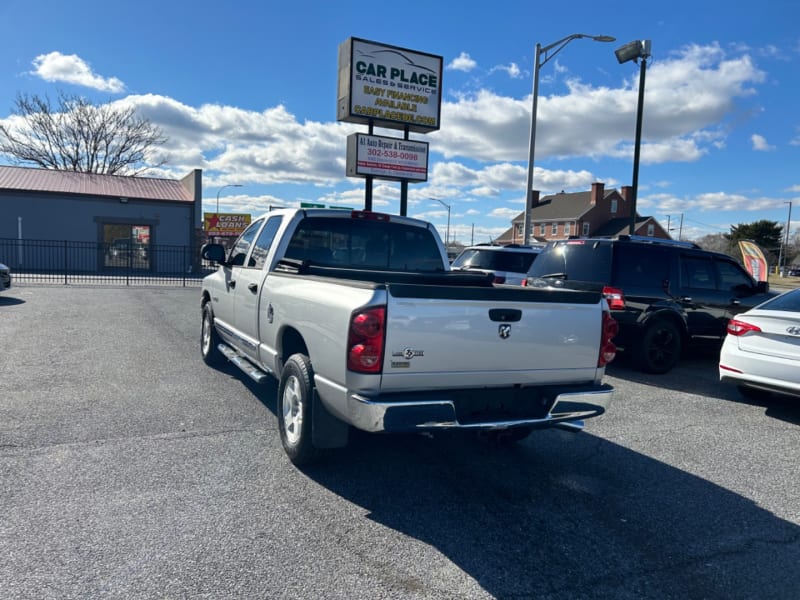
{"x":607,"y":348}
{"x":365,"y":340}
{"x":615,"y":298}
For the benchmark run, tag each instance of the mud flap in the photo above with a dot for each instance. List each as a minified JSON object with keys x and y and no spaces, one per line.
{"x":326,"y":430}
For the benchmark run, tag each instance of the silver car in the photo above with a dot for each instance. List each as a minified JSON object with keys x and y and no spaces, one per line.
{"x":509,"y":263}
{"x":761,"y":351}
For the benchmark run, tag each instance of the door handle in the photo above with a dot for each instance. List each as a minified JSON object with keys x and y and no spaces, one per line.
{"x":232,"y":283}
{"x":252,"y":287}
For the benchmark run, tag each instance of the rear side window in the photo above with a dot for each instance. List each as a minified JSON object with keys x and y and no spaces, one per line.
{"x":641,"y":266}
{"x":698,"y":273}
{"x":578,"y":260}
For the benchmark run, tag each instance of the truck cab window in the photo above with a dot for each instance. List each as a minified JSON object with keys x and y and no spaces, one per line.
{"x":264,"y":242}
{"x":242,"y":245}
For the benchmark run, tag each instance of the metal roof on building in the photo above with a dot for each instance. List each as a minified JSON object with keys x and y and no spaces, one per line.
{"x":90,"y":184}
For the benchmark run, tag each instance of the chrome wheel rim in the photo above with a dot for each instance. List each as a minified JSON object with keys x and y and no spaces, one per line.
{"x":206,"y":337}
{"x":292,"y":410}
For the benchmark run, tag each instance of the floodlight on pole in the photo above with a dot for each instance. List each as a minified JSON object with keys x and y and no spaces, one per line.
{"x":222,"y":188}
{"x":447,"y":233}
{"x":634,"y":51}
{"x":541,"y":56}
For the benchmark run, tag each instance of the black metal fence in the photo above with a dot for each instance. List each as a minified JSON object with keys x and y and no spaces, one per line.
{"x":67,"y":262}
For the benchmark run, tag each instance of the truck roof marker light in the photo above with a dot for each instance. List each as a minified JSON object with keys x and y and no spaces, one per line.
{"x":368,"y":215}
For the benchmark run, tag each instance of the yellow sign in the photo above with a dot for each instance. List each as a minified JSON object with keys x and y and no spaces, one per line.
{"x":225,"y":224}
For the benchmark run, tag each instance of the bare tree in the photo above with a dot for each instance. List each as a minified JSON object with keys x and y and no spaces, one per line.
{"x":79,"y":136}
{"x":717,"y":242}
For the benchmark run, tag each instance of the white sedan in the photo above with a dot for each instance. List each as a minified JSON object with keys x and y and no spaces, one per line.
{"x":761,"y":352}
{"x":5,"y":277}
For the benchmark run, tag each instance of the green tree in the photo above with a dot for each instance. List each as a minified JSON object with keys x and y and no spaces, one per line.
{"x":767,"y":234}
{"x":77,"y":135}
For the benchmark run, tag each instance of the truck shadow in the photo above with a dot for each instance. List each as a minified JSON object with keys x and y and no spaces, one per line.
{"x":559,"y":515}
{"x":565,"y":516}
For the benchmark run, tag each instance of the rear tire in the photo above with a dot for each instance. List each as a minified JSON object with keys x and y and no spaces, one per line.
{"x":295,"y":396}
{"x":209,"y":339}
{"x":659,"y":348}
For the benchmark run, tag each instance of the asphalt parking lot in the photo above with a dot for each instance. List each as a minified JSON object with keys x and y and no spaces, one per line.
{"x":129,"y":469}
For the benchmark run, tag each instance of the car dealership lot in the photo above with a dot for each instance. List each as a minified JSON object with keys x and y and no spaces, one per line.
{"x":130,"y":469}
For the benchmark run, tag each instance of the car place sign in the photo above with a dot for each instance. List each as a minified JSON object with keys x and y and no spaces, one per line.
{"x":388,"y":86}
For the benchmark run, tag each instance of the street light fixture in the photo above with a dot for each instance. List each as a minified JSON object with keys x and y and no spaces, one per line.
{"x":540,"y":59}
{"x":447,"y":233}
{"x":222,"y":188}
{"x":634,"y":51}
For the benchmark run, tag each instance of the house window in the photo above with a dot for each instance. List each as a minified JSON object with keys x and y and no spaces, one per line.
{"x":554,"y":229}
{"x":651,"y":230}
{"x":614,"y":206}
{"x":585,"y":229}
{"x":567,"y":228}
{"x":541,"y":229}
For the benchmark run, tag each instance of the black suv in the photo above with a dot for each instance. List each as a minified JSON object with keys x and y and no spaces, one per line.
{"x":664,"y":294}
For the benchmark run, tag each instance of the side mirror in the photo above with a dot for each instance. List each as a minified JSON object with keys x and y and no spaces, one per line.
{"x":214,"y":253}
{"x":762,"y":287}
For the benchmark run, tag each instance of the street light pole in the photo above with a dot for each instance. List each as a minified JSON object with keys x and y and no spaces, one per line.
{"x":539,"y":62}
{"x":222,"y":188}
{"x":447,"y":233}
{"x":638,"y":49}
{"x":786,"y":238}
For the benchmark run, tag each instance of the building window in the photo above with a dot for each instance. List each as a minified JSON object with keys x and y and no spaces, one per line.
{"x":541,"y":229}
{"x":614,"y":206}
{"x":567,"y":229}
{"x":126,"y":246}
{"x":554,"y":229}
{"x":651,"y":230}
{"x":585,"y":229}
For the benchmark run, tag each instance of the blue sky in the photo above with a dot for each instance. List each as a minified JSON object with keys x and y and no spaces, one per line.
{"x":246,"y":90}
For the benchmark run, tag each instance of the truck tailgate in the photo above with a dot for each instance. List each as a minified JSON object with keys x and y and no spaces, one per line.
{"x":446,"y":337}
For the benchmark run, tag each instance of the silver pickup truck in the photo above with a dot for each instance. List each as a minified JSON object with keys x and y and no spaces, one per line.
{"x":360,"y":319}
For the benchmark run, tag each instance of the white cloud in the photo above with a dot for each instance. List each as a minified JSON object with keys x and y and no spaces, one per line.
{"x":511,"y":69}
{"x":711,"y":202}
{"x":760,"y":143}
{"x":483,"y":139}
{"x":462,"y":63}
{"x":687,"y":97}
{"x":70,"y":68}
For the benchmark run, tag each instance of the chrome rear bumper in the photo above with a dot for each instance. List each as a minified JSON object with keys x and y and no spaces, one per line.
{"x":568,"y":411}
